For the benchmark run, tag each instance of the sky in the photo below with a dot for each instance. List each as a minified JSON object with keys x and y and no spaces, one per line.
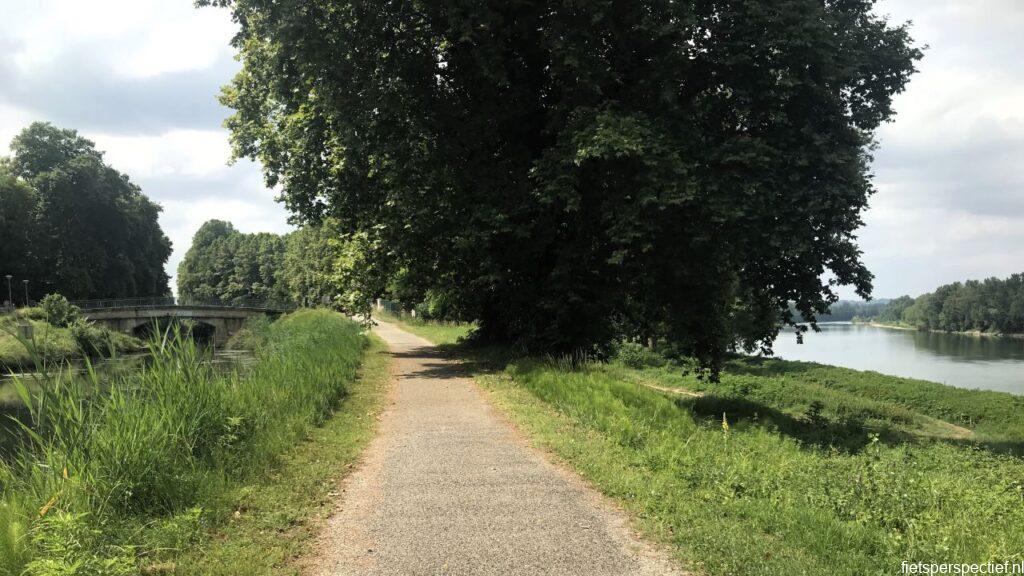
{"x":140,"y":78}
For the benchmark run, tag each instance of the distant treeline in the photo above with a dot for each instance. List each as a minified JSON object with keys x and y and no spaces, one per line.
{"x":993,"y":305}
{"x":225,"y":265}
{"x":847,"y":310}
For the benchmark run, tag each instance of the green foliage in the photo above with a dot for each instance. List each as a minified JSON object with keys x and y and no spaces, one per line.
{"x":993,"y":305}
{"x":791,"y":487}
{"x":575,"y":174}
{"x":436,"y":331}
{"x":311,"y":264}
{"x":54,"y":345}
{"x":305,"y":267}
{"x":227,"y":266}
{"x":107,"y":458}
{"x":636,"y":355}
{"x":252,"y":335}
{"x":846,"y":310}
{"x":68,"y":545}
{"x":280,"y":516}
{"x":70,"y":223}
{"x":58,"y":311}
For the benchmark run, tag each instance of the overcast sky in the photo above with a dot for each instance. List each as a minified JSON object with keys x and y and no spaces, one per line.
{"x":140,"y":78}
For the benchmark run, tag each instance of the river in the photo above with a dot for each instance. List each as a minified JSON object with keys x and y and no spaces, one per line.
{"x":958,"y":360}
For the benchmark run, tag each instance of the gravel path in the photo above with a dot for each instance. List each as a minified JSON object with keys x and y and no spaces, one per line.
{"x":448,"y":487}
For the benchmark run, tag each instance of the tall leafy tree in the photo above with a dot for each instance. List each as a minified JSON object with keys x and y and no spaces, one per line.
{"x":312,"y":262}
{"x":226,"y":266}
{"x":575,"y":172}
{"x":84,"y":229}
{"x":18,"y":203}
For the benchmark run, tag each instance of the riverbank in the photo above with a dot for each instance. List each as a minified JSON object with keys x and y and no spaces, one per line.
{"x":782,"y":467}
{"x":55,"y":345}
{"x":902,"y":326}
{"x":159,"y":459}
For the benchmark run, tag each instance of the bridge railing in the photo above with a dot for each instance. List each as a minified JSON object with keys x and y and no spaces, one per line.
{"x":167,"y":301}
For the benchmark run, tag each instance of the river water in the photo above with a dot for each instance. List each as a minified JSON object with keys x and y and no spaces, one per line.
{"x":958,"y":360}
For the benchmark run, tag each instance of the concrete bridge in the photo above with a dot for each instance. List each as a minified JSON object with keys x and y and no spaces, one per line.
{"x":137,"y":316}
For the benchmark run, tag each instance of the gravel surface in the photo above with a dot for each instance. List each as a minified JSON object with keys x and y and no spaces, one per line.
{"x":448,"y":487}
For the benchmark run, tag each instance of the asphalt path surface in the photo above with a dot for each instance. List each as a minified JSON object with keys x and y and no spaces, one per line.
{"x":448,"y":486}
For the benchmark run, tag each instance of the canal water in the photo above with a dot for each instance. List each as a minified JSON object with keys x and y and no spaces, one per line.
{"x":979,"y":362}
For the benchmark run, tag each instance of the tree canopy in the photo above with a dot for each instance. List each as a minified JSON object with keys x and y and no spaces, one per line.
{"x":572,"y":173}
{"x":223,"y":265}
{"x":226,"y":266}
{"x":72,"y":224}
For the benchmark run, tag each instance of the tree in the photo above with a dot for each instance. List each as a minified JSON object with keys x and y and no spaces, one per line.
{"x":226,"y":266}
{"x":991,"y":305}
{"x":573,"y":173}
{"x":312,"y":262}
{"x":18,"y":206}
{"x":83,"y":228}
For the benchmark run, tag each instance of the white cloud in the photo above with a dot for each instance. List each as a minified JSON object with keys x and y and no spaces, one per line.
{"x":133,"y":37}
{"x":950,"y":169}
{"x":193,"y":153}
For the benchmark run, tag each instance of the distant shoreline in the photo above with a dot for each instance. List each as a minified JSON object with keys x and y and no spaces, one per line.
{"x":975,"y":333}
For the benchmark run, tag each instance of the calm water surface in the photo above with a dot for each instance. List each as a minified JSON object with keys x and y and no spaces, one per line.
{"x":954,"y":359}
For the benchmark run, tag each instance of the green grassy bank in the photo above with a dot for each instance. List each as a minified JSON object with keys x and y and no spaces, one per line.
{"x":139,"y":475}
{"x":55,"y":344}
{"x":784,"y":467}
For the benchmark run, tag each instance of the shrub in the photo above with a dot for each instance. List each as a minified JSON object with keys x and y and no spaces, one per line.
{"x":32,"y":313}
{"x":252,"y":335}
{"x":636,"y":355}
{"x":58,"y":311}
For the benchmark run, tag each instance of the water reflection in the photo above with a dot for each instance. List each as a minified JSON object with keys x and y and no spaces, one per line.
{"x":955,"y":359}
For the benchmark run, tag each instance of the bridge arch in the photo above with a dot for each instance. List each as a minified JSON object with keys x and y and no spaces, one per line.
{"x":200,"y":330}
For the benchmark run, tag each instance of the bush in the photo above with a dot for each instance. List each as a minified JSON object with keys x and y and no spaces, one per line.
{"x":636,"y":355}
{"x":58,"y":311}
{"x":252,"y":335}
{"x":93,"y":340}
{"x":33,"y":313}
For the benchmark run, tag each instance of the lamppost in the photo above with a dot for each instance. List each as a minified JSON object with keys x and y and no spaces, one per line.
{"x":10,"y":297}
{"x":25,"y":282}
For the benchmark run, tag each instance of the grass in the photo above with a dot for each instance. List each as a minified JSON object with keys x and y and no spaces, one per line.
{"x":279,"y":514}
{"x":736,"y":493}
{"x":436,"y":331}
{"x":795,"y":394}
{"x":121,"y":476}
{"x":783,"y":467}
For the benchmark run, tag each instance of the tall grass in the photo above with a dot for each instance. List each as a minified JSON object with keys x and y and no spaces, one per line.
{"x":111,"y":473}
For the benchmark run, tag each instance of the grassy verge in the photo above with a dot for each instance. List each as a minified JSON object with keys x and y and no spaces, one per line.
{"x":436,"y":332}
{"x":155,"y":459}
{"x":784,"y":467}
{"x":841,"y":402}
{"x":279,"y":514}
{"x":736,"y":493}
